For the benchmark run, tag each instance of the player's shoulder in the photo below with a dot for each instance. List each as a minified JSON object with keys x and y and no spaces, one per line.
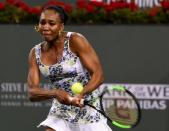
{"x":32,"y":52}
{"x":76,"y":36}
{"x":34,"y":48}
{"x":78,"y":41}
{"x":37,"y":46}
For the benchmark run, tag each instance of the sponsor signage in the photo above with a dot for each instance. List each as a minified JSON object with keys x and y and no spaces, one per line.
{"x":150,"y":96}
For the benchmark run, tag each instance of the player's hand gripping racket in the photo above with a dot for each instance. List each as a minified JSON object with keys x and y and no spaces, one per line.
{"x":119,"y":106}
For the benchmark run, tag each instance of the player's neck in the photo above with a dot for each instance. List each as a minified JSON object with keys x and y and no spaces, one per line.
{"x":57,"y":41}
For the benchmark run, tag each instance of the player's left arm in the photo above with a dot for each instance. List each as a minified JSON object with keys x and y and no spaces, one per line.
{"x":89,"y":58}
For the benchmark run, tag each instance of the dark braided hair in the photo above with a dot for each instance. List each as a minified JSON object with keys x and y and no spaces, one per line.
{"x":60,"y":10}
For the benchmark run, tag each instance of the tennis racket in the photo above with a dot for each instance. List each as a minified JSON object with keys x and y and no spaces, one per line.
{"x":119,"y":106}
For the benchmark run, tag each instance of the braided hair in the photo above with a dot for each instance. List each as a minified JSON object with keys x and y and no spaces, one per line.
{"x":63,"y":15}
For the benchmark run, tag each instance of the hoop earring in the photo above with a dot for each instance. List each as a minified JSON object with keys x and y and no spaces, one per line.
{"x":36,"y":27}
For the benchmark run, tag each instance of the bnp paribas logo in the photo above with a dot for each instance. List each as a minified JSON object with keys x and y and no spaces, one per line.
{"x":149,"y":96}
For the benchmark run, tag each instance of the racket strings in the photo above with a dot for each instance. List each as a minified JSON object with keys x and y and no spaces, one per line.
{"x":120,"y":107}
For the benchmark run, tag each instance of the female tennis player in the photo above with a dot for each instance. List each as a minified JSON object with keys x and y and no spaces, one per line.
{"x":65,"y":58}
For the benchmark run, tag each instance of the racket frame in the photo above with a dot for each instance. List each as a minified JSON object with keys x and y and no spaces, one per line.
{"x":120,"y":88}
{"x":117,"y":124}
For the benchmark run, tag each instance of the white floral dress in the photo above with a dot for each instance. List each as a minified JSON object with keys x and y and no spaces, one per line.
{"x":63,"y":74}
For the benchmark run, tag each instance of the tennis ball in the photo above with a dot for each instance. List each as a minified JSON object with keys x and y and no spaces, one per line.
{"x":77,"y":88}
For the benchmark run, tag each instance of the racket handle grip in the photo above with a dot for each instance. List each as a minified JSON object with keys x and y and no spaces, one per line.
{"x":83,"y":102}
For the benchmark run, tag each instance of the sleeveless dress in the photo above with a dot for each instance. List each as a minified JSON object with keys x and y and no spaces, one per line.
{"x":62,"y":75}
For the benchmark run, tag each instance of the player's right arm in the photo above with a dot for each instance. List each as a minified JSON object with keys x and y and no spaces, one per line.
{"x":36,"y":93}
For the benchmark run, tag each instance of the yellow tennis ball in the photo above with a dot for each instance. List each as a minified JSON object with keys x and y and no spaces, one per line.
{"x":77,"y":88}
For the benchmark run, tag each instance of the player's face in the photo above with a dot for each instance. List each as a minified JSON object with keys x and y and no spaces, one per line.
{"x":50,"y":25}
